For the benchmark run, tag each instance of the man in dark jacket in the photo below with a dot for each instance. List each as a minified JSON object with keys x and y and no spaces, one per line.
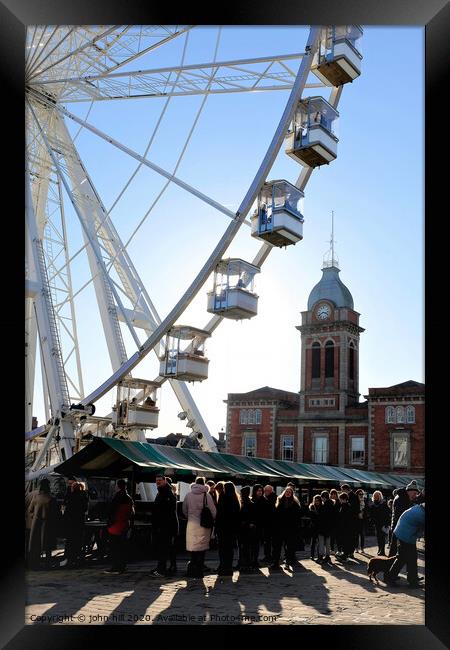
{"x":353,"y":503}
{"x":164,"y":525}
{"x":404,"y":498}
{"x":75,"y":506}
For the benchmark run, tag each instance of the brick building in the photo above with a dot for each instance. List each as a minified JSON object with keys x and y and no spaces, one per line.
{"x":325,"y":422}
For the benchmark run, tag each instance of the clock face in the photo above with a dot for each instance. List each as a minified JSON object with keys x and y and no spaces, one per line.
{"x":323,"y":312}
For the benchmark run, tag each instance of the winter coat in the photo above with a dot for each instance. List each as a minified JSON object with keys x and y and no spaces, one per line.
{"x":120,"y":513}
{"x":164,"y":513}
{"x":197,"y":537}
{"x":353,"y":502}
{"x":28,"y":499}
{"x":411,"y":524}
{"x":43,"y":512}
{"x":228,"y":515}
{"x":345,"y":524}
{"x":76,"y":505}
{"x":247,"y":517}
{"x":287,"y":516}
{"x":400,"y":503}
{"x":380,"y":514}
{"x":260,"y":512}
{"x":270,"y":503}
{"x":325,"y":518}
{"x":334,"y":514}
{"x":313,"y":516}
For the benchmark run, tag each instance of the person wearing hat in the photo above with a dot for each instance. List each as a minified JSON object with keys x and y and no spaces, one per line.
{"x":404,"y":498}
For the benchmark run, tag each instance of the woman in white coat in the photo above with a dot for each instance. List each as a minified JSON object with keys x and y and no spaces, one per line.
{"x":197,"y":537}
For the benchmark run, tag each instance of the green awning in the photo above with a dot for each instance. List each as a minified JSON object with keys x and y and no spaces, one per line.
{"x":113,"y":458}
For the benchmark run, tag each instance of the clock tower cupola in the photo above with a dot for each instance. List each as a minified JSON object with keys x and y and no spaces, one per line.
{"x":330,"y":334}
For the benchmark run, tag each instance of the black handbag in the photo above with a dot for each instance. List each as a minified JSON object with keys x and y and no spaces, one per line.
{"x":206,"y":517}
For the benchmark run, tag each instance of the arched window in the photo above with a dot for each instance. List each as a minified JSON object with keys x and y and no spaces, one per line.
{"x":400,"y":412}
{"x":243,"y":417}
{"x":351,"y":362}
{"x":316,"y":360}
{"x":410,"y":414}
{"x":329,"y":359}
{"x":258,"y":416}
{"x":251,"y":416}
{"x":390,"y":414}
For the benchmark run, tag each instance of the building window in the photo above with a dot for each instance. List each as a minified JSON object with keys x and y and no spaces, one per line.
{"x":316,"y":360}
{"x":287,"y":447}
{"x":351,"y":362}
{"x":390,"y":415}
{"x":249,"y":445}
{"x":321,"y":449}
{"x":400,"y":450}
{"x":329,"y":359}
{"x":258,"y":416}
{"x":251,"y":416}
{"x":243,"y":417}
{"x":410,"y":414}
{"x":357,"y":451}
{"x":400,"y":413}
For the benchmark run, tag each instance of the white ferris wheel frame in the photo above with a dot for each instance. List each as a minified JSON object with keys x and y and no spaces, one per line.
{"x":54,"y":163}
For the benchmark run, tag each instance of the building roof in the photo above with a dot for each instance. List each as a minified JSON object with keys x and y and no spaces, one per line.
{"x":409,"y":387}
{"x":330,"y":287}
{"x":266,"y":392}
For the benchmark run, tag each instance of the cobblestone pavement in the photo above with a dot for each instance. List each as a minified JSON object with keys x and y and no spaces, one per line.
{"x":338,"y":595}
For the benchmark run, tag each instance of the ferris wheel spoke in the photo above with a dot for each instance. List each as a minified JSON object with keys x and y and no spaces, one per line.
{"x":43,"y":51}
{"x":154,"y":167}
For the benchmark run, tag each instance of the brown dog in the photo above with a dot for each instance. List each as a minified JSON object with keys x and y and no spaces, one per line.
{"x":378,"y":564}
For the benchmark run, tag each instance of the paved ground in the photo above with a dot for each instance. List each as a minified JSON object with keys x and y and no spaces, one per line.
{"x":341,"y":594}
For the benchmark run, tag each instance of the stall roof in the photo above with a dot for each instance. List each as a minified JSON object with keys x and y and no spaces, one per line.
{"x":110,"y":457}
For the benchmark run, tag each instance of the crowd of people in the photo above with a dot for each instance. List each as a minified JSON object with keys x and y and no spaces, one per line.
{"x":248,"y":524}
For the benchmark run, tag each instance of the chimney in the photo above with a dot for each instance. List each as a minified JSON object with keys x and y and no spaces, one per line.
{"x":222,"y":435}
{"x":34,"y":422}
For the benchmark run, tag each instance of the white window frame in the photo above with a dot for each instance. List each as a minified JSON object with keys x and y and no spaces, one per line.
{"x":247,"y":438}
{"x":258,"y":416}
{"x":410,"y":414}
{"x":353,"y":461}
{"x":389,"y":415}
{"x":243,"y":417}
{"x":284,"y":439}
{"x":400,"y":415}
{"x":324,"y":452}
{"x":251,"y":416}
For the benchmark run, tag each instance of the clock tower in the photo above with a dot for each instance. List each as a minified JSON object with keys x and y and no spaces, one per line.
{"x":330,"y":333}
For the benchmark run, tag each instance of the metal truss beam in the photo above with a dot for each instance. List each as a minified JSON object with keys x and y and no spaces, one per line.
{"x":237,"y":76}
{"x":98,"y":50}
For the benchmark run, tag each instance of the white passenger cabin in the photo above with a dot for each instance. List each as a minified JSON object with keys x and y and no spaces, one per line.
{"x":312,"y":140}
{"x":189,"y":364}
{"x":338,"y":59}
{"x":233,"y":293}
{"x":136,"y":404}
{"x":278,"y":219}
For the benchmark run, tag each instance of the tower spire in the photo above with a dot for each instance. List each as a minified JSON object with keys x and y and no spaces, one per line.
{"x":330,"y":259}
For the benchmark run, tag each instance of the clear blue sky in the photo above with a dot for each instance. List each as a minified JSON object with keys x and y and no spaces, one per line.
{"x":375,"y":188}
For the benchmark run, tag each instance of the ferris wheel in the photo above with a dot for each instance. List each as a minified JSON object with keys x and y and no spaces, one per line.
{"x":68,"y":66}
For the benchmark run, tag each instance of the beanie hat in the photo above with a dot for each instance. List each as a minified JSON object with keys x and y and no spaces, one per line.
{"x":412,"y":486}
